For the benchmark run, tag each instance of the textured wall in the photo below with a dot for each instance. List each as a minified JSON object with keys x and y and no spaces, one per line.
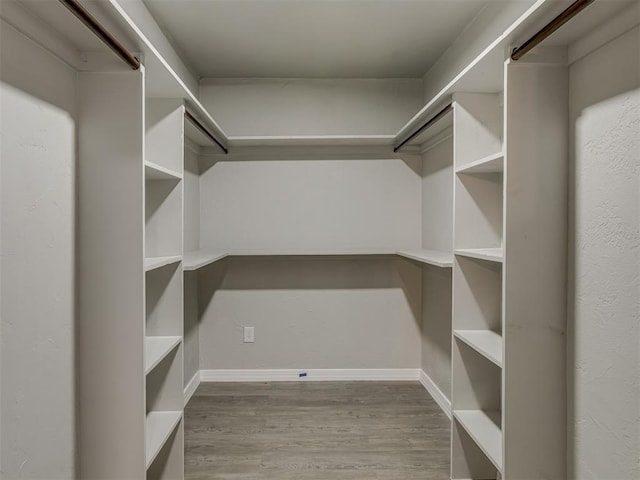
{"x":604,"y":336}
{"x":38,"y":155}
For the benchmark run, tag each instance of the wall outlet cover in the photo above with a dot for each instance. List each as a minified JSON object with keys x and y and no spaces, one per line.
{"x":249,"y":334}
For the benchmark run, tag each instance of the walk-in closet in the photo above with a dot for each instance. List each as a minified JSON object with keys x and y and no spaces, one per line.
{"x":348,"y":239}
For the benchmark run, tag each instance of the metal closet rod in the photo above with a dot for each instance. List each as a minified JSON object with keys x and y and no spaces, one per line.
{"x":570,"y":12}
{"x":204,"y":130}
{"x":426,"y":125}
{"x":96,"y":27}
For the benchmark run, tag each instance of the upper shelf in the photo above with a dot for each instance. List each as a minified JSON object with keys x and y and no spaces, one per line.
{"x":202,"y":258}
{"x":489,"y":254}
{"x":153,"y":171}
{"x":484,"y":74}
{"x":153,"y":263}
{"x":431,"y":257}
{"x":163,"y":80}
{"x":313,"y":141}
{"x":489,"y":164}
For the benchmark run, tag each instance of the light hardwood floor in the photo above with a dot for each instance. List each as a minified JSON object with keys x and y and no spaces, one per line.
{"x":315,"y":431}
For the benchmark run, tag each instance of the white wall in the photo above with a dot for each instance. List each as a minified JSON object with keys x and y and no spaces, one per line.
{"x":247,"y":107}
{"x":38,"y":161}
{"x":604,"y":304}
{"x":437,"y":232}
{"x":310,"y":205}
{"x":310,"y":313}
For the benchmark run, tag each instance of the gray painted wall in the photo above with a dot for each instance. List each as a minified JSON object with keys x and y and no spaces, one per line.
{"x":38,"y":162}
{"x":311,"y":107}
{"x":310,"y":313}
{"x":310,"y":204}
{"x":604,"y":273}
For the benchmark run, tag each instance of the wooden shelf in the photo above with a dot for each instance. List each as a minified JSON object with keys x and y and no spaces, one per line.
{"x":489,"y":164}
{"x":156,"y":348}
{"x":484,"y":429}
{"x":153,"y":171}
{"x":157,"y":262}
{"x":485,"y":342}
{"x":159,"y":426}
{"x":202,"y":258}
{"x":431,"y":257}
{"x":489,"y":254}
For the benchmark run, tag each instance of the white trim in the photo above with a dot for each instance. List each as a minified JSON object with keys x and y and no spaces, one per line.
{"x":291,"y":375}
{"x":441,"y":399}
{"x":191,"y":387}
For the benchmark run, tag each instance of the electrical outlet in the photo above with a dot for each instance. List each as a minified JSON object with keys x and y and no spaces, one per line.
{"x":249,"y":335}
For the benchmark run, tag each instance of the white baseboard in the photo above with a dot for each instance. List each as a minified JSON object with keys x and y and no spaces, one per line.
{"x":191,"y":387}
{"x":290,"y":375}
{"x":441,"y":399}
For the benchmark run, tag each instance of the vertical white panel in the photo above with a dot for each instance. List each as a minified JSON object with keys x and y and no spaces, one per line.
{"x":111,"y":281}
{"x":535,"y":266}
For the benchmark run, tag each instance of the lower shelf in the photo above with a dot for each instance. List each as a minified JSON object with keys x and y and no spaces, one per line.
{"x":202,"y":258}
{"x":484,"y":429}
{"x":489,"y":254}
{"x":159,"y":426}
{"x":151,"y":263}
{"x":156,"y":348}
{"x":485,"y":342}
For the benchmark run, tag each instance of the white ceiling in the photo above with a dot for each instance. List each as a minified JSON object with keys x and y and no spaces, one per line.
{"x":313,"y":38}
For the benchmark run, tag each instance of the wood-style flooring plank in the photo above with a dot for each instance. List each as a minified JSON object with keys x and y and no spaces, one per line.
{"x":315,"y":431}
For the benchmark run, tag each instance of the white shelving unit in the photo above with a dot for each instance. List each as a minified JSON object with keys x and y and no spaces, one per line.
{"x":477,"y":287}
{"x":510,"y":179}
{"x":501,"y":183}
{"x":164,"y":140}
